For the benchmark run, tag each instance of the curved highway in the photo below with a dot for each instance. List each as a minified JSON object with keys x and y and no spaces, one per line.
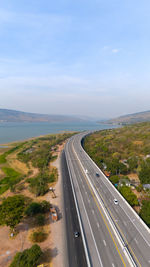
{"x":113,"y":235}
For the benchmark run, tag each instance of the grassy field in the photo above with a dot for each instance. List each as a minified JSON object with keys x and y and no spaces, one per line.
{"x":28,"y":160}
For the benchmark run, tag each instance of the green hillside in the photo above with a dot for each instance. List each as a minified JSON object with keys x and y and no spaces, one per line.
{"x":124,"y":155}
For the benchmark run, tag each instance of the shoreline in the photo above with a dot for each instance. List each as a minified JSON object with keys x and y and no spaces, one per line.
{"x":13,"y":143}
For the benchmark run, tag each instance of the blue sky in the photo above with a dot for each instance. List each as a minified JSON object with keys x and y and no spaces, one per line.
{"x":83,"y":57}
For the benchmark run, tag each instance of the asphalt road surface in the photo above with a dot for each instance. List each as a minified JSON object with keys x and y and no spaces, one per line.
{"x":114,"y":235}
{"x":76,"y":254}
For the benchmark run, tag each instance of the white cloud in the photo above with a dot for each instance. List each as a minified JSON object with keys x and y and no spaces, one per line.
{"x":115,"y":50}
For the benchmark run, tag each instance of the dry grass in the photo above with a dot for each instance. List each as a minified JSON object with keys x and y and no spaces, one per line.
{"x":140,"y":143}
{"x":16,"y":164}
{"x":134,"y":176}
{"x":1,"y":174}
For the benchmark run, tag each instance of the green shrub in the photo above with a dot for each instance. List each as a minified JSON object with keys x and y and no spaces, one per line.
{"x":114,"y":179}
{"x":129,"y":195}
{"x":37,"y":207}
{"x":33,"y":209}
{"x":11,"y":210}
{"x":27,"y":258}
{"x":145,"y":211}
{"x":40,"y":220}
{"x":38,"y":237}
{"x":45,"y":205}
{"x":139,"y":188}
{"x":20,"y":187}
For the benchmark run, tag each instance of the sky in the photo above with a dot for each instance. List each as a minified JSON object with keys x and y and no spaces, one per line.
{"x":82,"y":57}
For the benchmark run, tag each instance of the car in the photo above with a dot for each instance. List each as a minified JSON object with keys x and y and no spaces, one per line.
{"x":76,"y":234}
{"x":115,"y":201}
{"x":86,"y":171}
{"x":97,"y":174}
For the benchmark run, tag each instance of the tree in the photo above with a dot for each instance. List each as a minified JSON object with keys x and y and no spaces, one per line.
{"x":37,"y":207}
{"x":145,"y":212}
{"x":33,"y":209}
{"x":144,"y":174}
{"x":133,"y":163}
{"x":40,"y":220}
{"x":116,"y":167}
{"x":129,"y":195}
{"x":45,"y":205}
{"x":11,"y":210}
{"x":114,"y":179}
{"x":28,"y":258}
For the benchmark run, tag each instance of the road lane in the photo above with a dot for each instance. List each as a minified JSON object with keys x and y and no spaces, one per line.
{"x":137,"y":236}
{"x":76,"y":254}
{"x":109,"y":253}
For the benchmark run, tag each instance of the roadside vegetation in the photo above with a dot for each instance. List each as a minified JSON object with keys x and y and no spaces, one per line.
{"x":123,"y":154}
{"x":29,"y":257}
{"x":26,"y":174}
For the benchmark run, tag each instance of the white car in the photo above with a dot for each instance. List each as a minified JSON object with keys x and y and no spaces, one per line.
{"x":115,"y":201}
{"x":86,"y":171}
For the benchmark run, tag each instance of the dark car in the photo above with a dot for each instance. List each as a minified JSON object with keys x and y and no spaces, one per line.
{"x":76,"y":234}
{"x":97,"y":174}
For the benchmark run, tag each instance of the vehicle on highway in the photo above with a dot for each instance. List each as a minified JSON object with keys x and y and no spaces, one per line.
{"x":76,"y":234}
{"x":115,"y":201}
{"x":86,"y":171}
{"x":97,"y":174}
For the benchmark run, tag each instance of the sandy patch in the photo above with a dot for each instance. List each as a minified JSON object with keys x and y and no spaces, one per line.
{"x":133,"y":176}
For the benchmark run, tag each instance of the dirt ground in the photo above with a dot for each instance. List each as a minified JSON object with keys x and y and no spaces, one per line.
{"x":53,"y":246}
{"x":57,"y":228}
{"x":133,"y":176}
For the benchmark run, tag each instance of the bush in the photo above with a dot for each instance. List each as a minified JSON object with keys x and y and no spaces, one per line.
{"x":129,"y":195}
{"x":20,"y":187}
{"x":144,"y":174}
{"x":139,"y":188}
{"x":38,"y":185}
{"x":37,"y":207}
{"x":33,"y":209}
{"x":11,"y":210}
{"x":28,"y":258}
{"x":114,"y":179}
{"x":145,"y":212}
{"x":38,"y":236}
{"x":45,"y":205}
{"x":40,"y":220}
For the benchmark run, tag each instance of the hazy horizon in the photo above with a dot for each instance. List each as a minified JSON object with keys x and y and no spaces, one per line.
{"x":82,"y":58}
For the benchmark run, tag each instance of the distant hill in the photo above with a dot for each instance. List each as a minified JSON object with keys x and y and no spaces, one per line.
{"x":8,"y":115}
{"x":131,"y":118}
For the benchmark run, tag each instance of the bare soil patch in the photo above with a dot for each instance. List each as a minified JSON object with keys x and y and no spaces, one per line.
{"x":133,"y":176}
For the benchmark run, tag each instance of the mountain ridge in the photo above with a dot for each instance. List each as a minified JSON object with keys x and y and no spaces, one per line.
{"x":9,"y":115}
{"x":142,"y":116}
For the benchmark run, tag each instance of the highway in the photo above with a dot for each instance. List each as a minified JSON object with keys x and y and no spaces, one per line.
{"x":113,"y":235}
{"x":75,"y":250}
